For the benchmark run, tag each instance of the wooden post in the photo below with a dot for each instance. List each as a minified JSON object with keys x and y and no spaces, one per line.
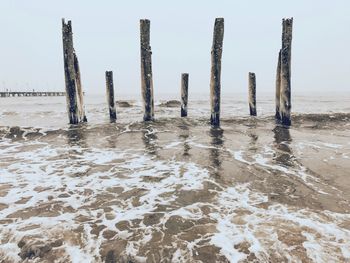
{"x":285,"y":90}
{"x":287,"y":34}
{"x":215,"y":79}
{"x":146,"y":70}
{"x":285,"y":100}
{"x":110,"y":96}
{"x":184,"y":94}
{"x":80,"y":95}
{"x":278,"y":87}
{"x":69,"y":72}
{"x":252,"y":94}
{"x":74,"y":92}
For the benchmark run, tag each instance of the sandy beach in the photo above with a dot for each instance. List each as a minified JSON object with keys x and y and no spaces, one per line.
{"x":175,"y":189}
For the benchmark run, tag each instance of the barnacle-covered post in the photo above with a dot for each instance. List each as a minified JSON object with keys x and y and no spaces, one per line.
{"x":285,"y":90}
{"x":146,"y":70}
{"x":285,"y":99}
{"x":184,"y":94}
{"x":215,"y":79}
{"x":74,"y":93}
{"x":110,"y":96}
{"x":69,"y":72}
{"x":252,"y":94}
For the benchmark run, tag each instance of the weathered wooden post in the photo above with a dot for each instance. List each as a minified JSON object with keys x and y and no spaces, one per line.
{"x":74,"y":93}
{"x":285,"y":90}
{"x":80,"y":94}
{"x":285,"y":100}
{"x":110,"y":96}
{"x":184,"y":94}
{"x":278,"y":88}
{"x":146,"y":70}
{"x":287,"y":35}
{"x":215,"y":79}
{"x":69,"y":72}
{"x":252,"y":94}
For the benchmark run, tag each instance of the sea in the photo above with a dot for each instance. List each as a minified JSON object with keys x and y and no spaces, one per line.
{"x":175,"y":189}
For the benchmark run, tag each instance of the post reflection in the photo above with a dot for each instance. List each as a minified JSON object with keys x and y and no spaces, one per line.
{"x":112,"y":132}
{"x":217,"y":141}
{"x":76,"y":139}
{"x":149,"y":138}
{"x":283,"y":153}
{"x":76,"y":136}
{"x":183,"y":136}
{"x":253,"y":136}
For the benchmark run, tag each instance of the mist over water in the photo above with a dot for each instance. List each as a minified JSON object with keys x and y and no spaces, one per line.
{"x":50,"y":112}
{"x":175,"y":189}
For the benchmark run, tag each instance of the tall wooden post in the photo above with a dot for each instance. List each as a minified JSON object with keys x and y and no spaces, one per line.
{"x":278,"y":88}
{"x":74,"y":92}
{"x":285,"y":90}
{"x":80,"y":95}
{"x":69,"y":72}
{"x":110,"y":96}
{"x":252,"y":94}
{"x":215,"y":79}
{"x":146,"y":70}
{"x":184,"y":94}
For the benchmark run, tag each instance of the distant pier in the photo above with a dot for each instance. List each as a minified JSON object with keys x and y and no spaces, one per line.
{"x":31,"y":93}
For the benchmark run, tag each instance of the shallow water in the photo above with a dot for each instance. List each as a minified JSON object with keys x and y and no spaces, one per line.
{"x":175,"y":189}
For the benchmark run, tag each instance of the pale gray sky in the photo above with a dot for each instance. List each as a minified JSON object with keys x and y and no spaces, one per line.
{"x":106,"y":37}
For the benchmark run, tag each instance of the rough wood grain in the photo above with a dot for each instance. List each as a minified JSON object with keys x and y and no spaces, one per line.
{"x":80,"y":94}
{"x":110,"y":96}
{"x":287,"y":35}
{"x":252,"y":94}
{"x":74,"y":91}
{"x":215,"y":79}
{"x":285,"y":86}
{"x":285,"y":99}
{"x":69,"y":73}
{"x":146,"y":70}
{"x":184,"y":94}
{"x":278,"y":88}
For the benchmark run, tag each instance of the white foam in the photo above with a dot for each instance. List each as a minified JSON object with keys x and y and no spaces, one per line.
{"x":58,"y":176}
{"x":258,"y":233}
{"x":73,"y":170}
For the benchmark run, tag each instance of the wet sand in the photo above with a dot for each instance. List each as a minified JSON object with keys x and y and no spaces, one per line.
{"x":177,"y":190}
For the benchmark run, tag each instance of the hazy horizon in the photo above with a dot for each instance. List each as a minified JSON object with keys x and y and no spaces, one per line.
{"x":106,"y":37}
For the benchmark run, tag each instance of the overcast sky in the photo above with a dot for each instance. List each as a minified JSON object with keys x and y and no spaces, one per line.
{"x":106,"y":37}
